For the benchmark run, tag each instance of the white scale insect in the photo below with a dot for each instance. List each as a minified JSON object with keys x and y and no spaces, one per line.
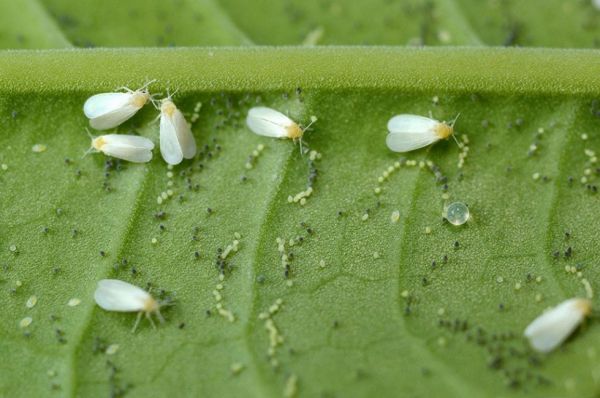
{"x":176,"y":138}
{"x":271,"y":123}
{"x":127,"y":147}
{"x":109,"y":110}
{"x":119,"y":296}
{"x":410,"y":132}
{"x":550,"y":329}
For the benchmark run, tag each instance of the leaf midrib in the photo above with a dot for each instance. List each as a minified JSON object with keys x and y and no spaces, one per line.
{"x":75,"y":344}
{"x":499,"y":71}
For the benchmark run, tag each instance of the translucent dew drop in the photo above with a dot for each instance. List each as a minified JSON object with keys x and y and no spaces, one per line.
{"x":457,"y":213}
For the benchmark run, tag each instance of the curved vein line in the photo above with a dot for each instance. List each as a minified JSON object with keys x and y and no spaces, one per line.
{"x":86,"y":324}
{"x":49,"y":23}
{"x":252,"y":312}
{"x":556,"y":194}
{"x":459,"y":19}
{"x":224,"y":18}
{"x":418,"y":344}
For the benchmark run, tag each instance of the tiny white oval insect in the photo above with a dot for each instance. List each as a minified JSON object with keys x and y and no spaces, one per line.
{"x":119,"y":296}
{"x":127,"y":147}
{"x":176,"y":138}
{"x":550,"y":329}
{"x":410,"y":132}
{"x":271,"y":123}
{"x":109,"y":110}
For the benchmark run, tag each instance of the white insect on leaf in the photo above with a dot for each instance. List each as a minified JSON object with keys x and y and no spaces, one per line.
{"x":410,"y":132}
{"x":109,"y":110}
{"x":271,"y":123}
{"x":550,"y":329}
{"x":127,"y":147}
{"x":119,"y":296}
{"x":176,"y":138}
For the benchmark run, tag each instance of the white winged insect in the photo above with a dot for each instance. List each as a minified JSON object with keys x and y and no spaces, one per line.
{"x":176,"y":138}
{"x":119,"y":296}
{"x":271,"y":123}
{"x":109,"y":110}
{"x":127,"y":147}
{"x":550,"y":329}
{"x":410,"y":132}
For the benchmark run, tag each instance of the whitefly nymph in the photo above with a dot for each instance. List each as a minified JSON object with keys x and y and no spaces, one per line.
{"x":176,"y":139}
{"x":119,"y":296}
{"x":552,"y":328}
{"x":108,"y":110}
{"x":127,"y":147}
{"x":271,"y":123}
{"x":410,"y":132}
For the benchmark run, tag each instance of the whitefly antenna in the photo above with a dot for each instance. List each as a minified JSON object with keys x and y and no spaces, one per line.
{"x":169,"y":96}
{"x":452,"y":125}
{"x":148,"y":82}
{"x":91,"y":145}
{"x":454,"y":121}
{"x":313,"y":119}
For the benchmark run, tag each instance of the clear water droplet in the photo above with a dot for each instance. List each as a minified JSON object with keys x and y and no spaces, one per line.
{"x":457,"y":213}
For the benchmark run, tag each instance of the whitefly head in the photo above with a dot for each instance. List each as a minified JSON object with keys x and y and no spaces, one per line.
{"x":96,"y":145}
{"x":165,"y":105}
{"x":141,"y":96}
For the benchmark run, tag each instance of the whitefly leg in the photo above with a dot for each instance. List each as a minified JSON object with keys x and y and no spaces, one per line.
{"x":137,"y":321}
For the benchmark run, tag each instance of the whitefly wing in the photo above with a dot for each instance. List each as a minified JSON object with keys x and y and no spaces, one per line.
{"x":116,"y":295}
{"x":133,"y":141}
{"x":410,"y":132}
{"x":268,"y":122}
{"x":410,"y":124}
{"x":170,"y":148}
{"x":101,"y":104}
{"x":135,"y":155}
{"x":551,"y":328}
{"x":184,"y":135}
{"x":114,"y":118}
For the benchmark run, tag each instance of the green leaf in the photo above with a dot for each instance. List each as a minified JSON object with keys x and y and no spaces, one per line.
{"x":26,"y":25}
{"x":145,"y":23}
{"x":363,"y":310}
{"x":344,"y":326}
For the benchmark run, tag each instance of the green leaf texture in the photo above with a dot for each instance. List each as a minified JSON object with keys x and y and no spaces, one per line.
{"x":368,"y":307}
